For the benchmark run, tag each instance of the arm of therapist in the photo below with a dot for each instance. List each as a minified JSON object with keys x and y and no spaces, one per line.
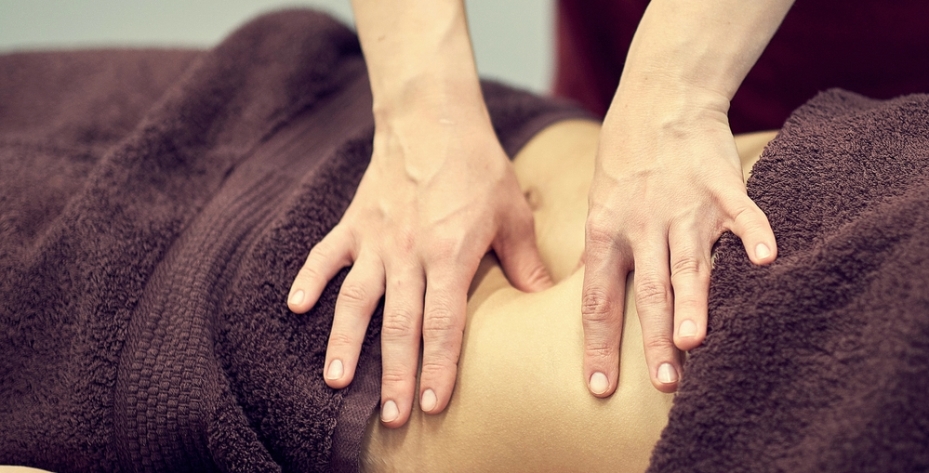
{"x":667,"y":182}
{"x":438,"y":194}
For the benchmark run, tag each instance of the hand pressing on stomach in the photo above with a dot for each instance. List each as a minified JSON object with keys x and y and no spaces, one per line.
{"x":667,"y":182}
{"x":438,"y":194}
{"x":662,"y":194}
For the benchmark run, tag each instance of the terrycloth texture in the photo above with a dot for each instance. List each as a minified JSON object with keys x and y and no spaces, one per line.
{"x":820,"y":362}
{"x":154,"y":209}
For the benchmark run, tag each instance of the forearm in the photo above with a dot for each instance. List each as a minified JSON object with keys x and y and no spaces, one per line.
{"x":438,"y":194}
{"x":668,"y":171}
{"x":698,"y":50}
{"x":419,"y":57}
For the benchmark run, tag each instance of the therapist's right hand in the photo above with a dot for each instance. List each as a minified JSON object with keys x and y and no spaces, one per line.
{"x":438,"y":194}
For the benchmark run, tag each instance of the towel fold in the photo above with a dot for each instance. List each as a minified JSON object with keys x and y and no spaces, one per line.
{"x":820,"y":361}
{"x":154,"y":209}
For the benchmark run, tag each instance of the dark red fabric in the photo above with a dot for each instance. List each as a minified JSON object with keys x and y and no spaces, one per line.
{"x":871,"y":47}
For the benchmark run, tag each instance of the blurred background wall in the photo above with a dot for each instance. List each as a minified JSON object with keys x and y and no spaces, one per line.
{"x":513,"y":39}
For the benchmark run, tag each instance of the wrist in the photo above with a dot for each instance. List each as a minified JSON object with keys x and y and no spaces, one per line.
{"x":705,"y":46}
{"x":428,"y":97}
{"x":661,"y":102}
{"x":419,"y":57}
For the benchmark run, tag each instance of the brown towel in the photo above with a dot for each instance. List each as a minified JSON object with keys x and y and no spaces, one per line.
{"x":820,"y":362}
{"x":154,"y":209}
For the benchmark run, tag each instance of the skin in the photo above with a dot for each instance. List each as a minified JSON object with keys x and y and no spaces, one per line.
{"x":519,"y":400}
{"x":440,"y":193}
{"x":667,"y":182}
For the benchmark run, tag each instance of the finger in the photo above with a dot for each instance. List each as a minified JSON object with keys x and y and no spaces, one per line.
{"x":752,"y":226}
{"x":581,"y":261}
{"x":602,"y":300}
{"x":519,"y":256}
{"x":327,"y":257}
{"x":358,"y":297}
{"x":690,"y":280}
{"x":653,"y":301}
{"x":443,"y":329}
{"x":400,"y":334}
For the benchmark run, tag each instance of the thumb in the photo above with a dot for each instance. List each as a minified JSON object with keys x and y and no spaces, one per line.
{"x":750,"y":224}
{"x":519,"y":256}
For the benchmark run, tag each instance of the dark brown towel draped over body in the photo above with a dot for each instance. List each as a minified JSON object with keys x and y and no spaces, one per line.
{"x":820,"y":362}
{"x":154,"y":209}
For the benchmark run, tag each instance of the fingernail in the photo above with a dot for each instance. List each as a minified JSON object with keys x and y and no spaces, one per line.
{"x":297,"y":297}
{"x":389,"y":412}
{"x":667,"y":374}
{"x":762,"y":251}
{"x":335,"y":370}
{"x":688,"y":329}
{"x":428,"y":402}
{"x":598,"y":383}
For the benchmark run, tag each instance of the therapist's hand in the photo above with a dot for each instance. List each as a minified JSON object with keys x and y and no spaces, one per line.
{"x":438,"y":194}
{"x":668,"y":182}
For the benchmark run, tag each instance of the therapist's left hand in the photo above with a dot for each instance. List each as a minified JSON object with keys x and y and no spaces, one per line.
{"x":668,"y":182}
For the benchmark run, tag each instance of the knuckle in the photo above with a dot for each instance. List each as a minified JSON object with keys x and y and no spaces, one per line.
{"x":310,"y":271}
{"x":596,"y":306}
{"x":395,"y":375}
{"x":688,"y":304}
{"x":399,"y":324}
{"x":688,"y":265}
{"x":747,"y":217}
{"x":440,"y":321}
{"x":537,"y":274}
{"x":599,"y":350}
{"x":658,"y":343}
{"x":441,"y":247}
{"x":651,"y":292}
{"x":439,"y":365}
{"x":599,"y":235}
{"x":323,"y":251}
{"x":339,"y":341}
{"x":404,"y":241}
{"x":352,"y":295}
{"x":741,"y":211}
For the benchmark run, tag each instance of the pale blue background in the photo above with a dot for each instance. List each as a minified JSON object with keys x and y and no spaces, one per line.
{"x":513,"y":39}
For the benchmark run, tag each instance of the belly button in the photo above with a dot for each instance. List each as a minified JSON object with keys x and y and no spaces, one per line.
{"x":533,"y":197}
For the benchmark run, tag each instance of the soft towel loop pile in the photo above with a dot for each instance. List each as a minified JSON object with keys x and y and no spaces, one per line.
{"x":820,"y":362}
{"x":154,"y":209}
